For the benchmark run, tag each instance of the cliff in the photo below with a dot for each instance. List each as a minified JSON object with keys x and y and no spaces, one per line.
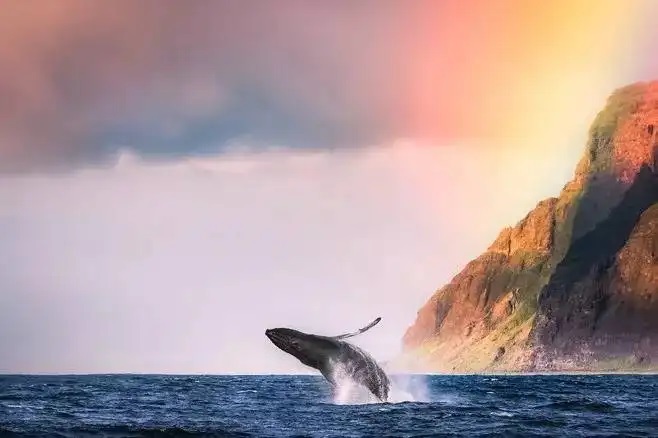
{"x":574,"y":285}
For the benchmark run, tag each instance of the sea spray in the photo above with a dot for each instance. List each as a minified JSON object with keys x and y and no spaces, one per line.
{"x":347,"y":391}
{"x":408,"y":388}
{"x":404,"y":388}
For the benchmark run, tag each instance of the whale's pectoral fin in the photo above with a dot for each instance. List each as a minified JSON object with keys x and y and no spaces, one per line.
{"x":361,"y":330}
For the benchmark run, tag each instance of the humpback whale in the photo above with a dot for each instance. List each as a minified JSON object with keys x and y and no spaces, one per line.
{"x":332,"y":354}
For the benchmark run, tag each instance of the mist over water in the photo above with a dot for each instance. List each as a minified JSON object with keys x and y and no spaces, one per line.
{"x":407,"y":388}
{"x":86,"y":254}
{"x":403,"y":388}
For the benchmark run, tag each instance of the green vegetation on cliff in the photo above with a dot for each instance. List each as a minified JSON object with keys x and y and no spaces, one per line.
{"x":496,"y":313}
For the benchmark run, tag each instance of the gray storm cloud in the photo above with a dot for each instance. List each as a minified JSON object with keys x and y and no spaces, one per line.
{"x":80,"y":80}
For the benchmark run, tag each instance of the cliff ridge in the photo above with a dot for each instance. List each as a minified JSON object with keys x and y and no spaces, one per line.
{"x":574,"y":284}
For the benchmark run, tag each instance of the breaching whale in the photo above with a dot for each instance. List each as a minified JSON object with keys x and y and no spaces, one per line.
{"x":330,"y":354}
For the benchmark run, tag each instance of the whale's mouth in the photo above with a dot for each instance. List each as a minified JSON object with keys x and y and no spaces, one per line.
{"x":272,"y":334}
{"x":277,"y":338}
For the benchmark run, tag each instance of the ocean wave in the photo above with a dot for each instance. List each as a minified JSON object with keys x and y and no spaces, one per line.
{"x":580,"y":405}
{"x":295,"y":406}
{"x":125,"y":432}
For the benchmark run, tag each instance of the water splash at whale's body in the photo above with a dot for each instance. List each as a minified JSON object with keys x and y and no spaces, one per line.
{"x":404,"y":388}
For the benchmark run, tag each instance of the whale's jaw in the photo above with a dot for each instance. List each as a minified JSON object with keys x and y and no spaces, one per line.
{"x":277,"y":339}
{"x":313,"y":351}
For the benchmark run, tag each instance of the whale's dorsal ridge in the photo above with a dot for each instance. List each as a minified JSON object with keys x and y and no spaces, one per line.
{"x":359,"y":331}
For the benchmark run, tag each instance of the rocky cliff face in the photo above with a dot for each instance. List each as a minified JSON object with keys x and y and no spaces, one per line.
{"x":575,"y":283}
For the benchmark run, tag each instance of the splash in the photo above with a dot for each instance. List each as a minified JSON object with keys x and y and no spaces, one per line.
{"x":349,"y":392}
{"x":404,"y":388}
{"x":408,"y":388}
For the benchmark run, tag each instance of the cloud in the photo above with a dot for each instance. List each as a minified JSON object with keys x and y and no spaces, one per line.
{"x":81,"y":81}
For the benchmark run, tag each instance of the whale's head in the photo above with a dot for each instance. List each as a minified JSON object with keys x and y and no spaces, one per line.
{"x":314,"y":351}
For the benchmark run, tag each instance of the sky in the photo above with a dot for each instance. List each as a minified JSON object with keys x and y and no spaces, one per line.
{"x":176,"y":177}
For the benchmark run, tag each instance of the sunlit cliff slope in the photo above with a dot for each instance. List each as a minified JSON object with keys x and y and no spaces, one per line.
{"x":574,"y":284}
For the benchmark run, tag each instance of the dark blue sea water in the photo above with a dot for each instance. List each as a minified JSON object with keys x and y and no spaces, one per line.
{"x":281,"y":406}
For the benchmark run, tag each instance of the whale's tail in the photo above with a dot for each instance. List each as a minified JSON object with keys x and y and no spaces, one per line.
{"x":359,"y":331}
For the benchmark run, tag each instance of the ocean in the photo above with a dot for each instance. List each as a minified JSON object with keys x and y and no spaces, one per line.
{"x":304,"y":406}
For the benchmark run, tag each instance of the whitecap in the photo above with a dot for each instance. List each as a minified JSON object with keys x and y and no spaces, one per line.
{"x":502,"y":414}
